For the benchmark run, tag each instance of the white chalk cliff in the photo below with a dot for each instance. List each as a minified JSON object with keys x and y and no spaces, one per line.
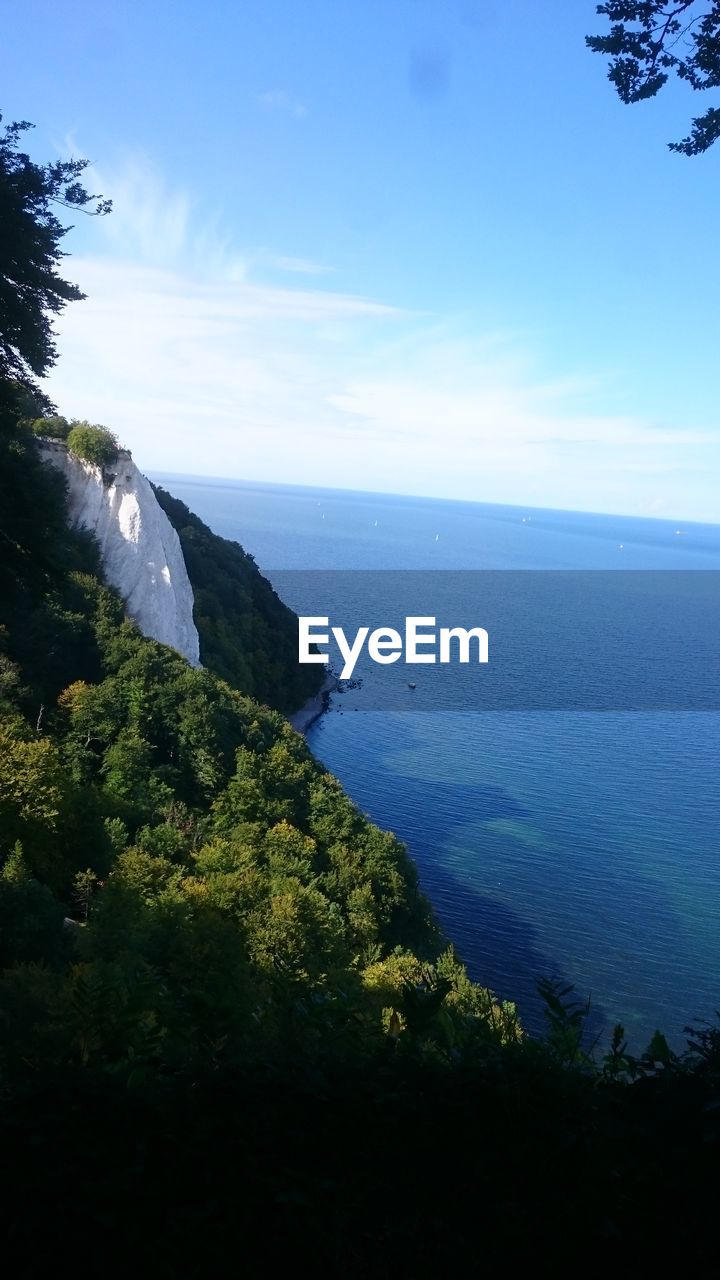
{"x":141,"y":553}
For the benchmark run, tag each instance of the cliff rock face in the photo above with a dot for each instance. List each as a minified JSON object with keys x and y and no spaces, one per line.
{"x":140,"y":550}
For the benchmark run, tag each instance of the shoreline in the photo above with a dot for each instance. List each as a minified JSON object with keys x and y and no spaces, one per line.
{"x":305,"y":716}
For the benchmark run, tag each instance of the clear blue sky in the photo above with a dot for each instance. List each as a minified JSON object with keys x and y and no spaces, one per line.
{"x":414,"y":246}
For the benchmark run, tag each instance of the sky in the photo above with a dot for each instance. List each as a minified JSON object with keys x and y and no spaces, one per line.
{"x":413,"y":247}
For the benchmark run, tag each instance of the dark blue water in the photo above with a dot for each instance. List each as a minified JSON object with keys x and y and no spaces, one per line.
{"x":572,"y":843}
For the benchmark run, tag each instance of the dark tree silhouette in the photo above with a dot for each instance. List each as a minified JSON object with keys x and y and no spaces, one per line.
{"x":31,"y":288}
{"x":651,"y":39}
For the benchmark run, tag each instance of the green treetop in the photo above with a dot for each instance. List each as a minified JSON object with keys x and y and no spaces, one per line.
{"x":93,"y":444}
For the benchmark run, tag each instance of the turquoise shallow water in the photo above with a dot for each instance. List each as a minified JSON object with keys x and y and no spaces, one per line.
{"x":571,"y":843}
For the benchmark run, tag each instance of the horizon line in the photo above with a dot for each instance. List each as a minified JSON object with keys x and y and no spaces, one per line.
{"x":428,"y":497}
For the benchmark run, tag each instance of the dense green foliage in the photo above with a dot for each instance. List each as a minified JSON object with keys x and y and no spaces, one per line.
{"x":247,"y":635}
{"x":650,"y":39}
{"x":222,"y":897}
{"x":31,"y":290}
{"x":54,"y":427}
{"x":92,"y":444}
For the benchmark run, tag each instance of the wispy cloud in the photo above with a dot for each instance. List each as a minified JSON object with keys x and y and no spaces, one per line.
{"x":205,"y":366}
{"x":160,"y":226}
{"x":295,"y":266}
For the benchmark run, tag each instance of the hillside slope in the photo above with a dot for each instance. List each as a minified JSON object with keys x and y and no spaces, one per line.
{"x":247,"y":635}
{"x":220,"y":882}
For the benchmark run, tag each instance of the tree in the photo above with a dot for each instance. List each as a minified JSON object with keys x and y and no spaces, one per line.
{"x":650,"y":39}
{"x":55,"y":427}
{"x":93,"y":444}
{"x":31,"y":289}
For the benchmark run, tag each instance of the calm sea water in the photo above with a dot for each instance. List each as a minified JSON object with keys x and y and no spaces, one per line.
{"x":577,"y":844}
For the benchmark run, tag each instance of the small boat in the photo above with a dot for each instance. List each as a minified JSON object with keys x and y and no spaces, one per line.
{"x":411,"y":685}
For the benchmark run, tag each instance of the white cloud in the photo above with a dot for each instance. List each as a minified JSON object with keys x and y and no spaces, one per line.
{"x":204,"y":368}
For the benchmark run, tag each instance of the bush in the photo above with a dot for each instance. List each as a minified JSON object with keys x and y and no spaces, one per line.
{"x":55,"y":428}
{"x":93,"y":444}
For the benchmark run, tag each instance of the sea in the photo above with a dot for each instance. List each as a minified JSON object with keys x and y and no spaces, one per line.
{"x":581,"y":845}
